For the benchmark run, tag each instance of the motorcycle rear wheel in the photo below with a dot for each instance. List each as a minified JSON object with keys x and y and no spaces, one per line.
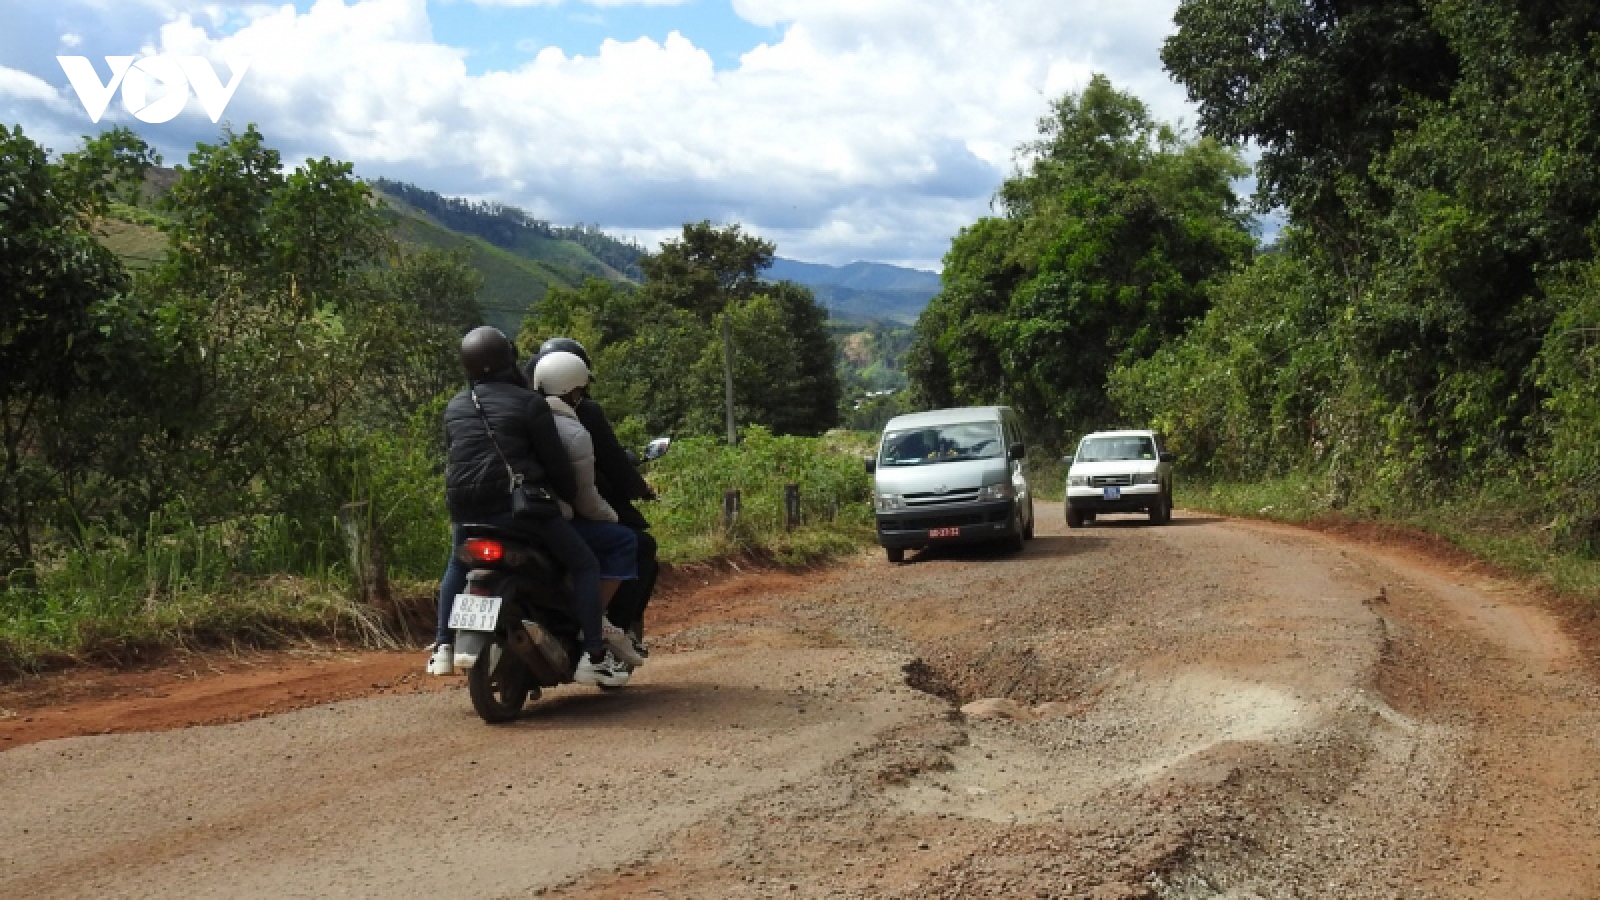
{"x":498,"y":683}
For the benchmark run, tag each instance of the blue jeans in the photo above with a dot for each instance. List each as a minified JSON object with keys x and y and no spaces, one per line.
{"x":616,"y":546}
{"x":557,"y":537}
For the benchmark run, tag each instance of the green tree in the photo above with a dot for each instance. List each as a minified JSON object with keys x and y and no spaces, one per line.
{"x":60,"y":293}
{"x":260,"y":285}
{"x":706,"y":268}
{"x":1109,"y":239}
{"x":1321,"y":87}
{"x":657,"y":349}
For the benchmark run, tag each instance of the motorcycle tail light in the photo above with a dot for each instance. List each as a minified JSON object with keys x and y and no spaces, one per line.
{"x":485,"y":551}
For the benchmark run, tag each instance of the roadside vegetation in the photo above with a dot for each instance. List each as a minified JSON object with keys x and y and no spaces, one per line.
{"x":201,"y":391}
{"x":1419,"y":343}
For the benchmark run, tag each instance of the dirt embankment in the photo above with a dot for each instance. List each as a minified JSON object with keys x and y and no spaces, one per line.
{"x":1219,"y":709}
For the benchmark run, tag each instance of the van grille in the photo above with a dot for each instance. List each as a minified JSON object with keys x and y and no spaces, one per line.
{"x":930,"y":499}
{"x":1110,"y":480}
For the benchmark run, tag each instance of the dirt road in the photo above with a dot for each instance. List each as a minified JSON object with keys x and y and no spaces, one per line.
{"x":1211,"y":709}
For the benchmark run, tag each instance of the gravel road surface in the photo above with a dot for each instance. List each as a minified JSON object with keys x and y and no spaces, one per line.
{"x":1210,"y":709}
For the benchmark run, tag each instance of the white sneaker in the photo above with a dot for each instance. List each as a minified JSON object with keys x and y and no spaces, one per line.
{"x":605,"y":673}
{"x":620,"y":644}
{"x":443,"y":660}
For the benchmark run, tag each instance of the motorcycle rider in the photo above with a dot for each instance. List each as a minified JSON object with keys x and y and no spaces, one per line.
{"x":619,"y":482}
{"x":478,"y":490}
{"x":563,"y":379}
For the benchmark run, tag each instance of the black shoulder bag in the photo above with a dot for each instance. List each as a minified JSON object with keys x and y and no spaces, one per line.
{"x":528,"y":501}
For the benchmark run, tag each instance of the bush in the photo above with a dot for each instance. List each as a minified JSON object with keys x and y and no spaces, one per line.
{"x":691,"y":479}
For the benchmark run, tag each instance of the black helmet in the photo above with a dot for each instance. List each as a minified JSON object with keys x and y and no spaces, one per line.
{"x":487,"y":351}
{"x":566,"y":345}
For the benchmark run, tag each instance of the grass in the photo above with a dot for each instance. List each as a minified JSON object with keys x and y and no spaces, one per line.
{"x":115,"y":598}
{"x":691,"y":481}
{"x":1500,"y":525}
{"x":267,"y":581}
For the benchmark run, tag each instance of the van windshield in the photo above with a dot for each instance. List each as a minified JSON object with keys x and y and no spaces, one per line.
{"x":1103,"y":449}
{"x":941,"y":443}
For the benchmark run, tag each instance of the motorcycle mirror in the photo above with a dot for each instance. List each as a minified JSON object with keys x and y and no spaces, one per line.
{"x":657,"y":448}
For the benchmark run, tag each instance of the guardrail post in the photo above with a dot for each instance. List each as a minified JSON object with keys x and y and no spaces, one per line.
{"x":791,"y":507}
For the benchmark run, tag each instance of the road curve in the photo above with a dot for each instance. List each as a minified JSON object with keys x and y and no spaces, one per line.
{"x":1209,"y":709}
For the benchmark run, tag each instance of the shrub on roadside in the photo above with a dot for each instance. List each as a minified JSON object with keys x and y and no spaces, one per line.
{"x":691,"y":480}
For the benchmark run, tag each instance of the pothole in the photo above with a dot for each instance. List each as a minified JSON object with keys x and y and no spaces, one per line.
{"x":1185,"y":728}
{"x":925,"y":678}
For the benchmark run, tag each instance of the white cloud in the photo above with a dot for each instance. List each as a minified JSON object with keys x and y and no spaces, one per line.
{"x":18,"y":85}
{"x":869,"y":130}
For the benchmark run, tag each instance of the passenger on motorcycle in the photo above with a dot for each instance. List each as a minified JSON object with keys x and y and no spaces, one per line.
{"x":619,"y":482}
{"x":498,"y":422}
{"x":563,"y":379}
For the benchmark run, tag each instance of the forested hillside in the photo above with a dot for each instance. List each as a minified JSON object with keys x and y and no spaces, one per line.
{"x":862,"y":292}
{"x":1426,"y":331}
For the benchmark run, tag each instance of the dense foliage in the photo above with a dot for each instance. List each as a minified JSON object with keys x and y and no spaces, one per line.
{"x":205,"y":419}
{"x":1108,"y":243}
{"x":658,"y":350}
{"x":1428,"y":323}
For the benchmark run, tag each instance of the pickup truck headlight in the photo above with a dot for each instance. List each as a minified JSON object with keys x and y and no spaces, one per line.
{"x":1148,"y":478}
{"x":1077,"y":481}
{"x":1003,"y":490}
{"x":889,"y":502}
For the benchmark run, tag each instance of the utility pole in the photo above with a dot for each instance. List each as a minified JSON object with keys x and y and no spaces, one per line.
{"x":727,"y":378}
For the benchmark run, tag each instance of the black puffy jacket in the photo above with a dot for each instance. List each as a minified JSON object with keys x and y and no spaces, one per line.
{"x":616,"y":477}
{"x":475,"y":482}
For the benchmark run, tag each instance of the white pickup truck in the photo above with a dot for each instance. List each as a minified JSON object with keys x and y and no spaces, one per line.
{"x":1119,"y":471}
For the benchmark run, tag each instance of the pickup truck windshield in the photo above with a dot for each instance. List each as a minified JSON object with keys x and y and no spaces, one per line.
{"x":941,"y":443}
{"x":1104,"y":449}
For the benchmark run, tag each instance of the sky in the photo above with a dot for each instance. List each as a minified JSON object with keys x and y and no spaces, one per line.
{"x":840,"y":129}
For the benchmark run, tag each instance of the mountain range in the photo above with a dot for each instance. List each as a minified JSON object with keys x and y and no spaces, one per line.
{"x":862,"y":291}
{"x":520,"y":258}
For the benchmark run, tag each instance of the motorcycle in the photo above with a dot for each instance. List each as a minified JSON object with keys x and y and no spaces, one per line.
{"x":513,"y":627}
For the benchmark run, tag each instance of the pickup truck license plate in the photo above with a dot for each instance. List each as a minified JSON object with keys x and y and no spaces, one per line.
{"x":1111,"y":493}
{"x":948,"y":532}
{"x":474,"y":612}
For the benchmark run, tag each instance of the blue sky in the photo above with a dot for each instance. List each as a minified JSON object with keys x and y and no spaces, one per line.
{"x":504,"y":37}
{"x":841,"y":129}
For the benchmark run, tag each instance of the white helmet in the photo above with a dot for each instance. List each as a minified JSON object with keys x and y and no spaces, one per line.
{"x":557,"y":374}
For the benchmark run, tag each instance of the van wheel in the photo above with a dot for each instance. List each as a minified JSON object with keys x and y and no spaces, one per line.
{"x":895,"y":554}
{"x":1074,"y":518}
{"x":1027,"y":533}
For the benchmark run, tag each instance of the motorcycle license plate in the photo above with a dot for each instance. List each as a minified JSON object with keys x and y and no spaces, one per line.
{"x":1112,"y":493}
{"x":474,"y":612}
{"x":949,"y":532}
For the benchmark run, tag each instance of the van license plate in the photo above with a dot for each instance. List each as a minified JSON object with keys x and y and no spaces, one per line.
{"x":474,"y":612}
{"x":952,"y":531}
{"x":1112,"y":493}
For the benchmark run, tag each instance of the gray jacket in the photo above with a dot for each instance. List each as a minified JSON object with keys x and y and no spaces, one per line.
{"x":580,"y":449}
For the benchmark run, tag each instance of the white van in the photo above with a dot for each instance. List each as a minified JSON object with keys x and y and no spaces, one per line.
{"x":1119,"y":471}
{"x":951,"y":476}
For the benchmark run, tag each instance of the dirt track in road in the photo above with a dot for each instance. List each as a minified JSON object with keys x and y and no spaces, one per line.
{"x":1228,"y":710}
